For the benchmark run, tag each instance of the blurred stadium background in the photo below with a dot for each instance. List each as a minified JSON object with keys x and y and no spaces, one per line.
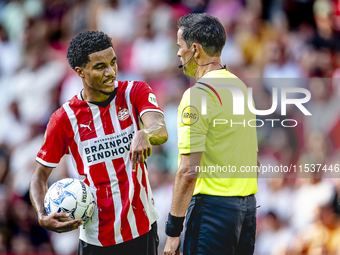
{"x":265,"y":39}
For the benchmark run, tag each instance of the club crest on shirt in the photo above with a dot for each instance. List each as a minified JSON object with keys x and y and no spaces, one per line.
{"x":189,"y":115}
{"x":123,"y":114}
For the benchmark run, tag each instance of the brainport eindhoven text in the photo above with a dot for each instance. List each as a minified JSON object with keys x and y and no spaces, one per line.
{"x":108,"y":147}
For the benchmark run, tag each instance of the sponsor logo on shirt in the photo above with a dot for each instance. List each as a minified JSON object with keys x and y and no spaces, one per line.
{"x":86,"y":126}
{"x":123,"y":114}
{"x":189,"y":115}
{"x":108,"y":147}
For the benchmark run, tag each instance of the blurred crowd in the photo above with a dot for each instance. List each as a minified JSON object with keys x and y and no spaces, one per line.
{"x":270,"y":43}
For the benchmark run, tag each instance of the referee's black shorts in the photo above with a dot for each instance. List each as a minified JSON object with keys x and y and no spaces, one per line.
{"x":220,"y":225}
{"x":146,"y":244}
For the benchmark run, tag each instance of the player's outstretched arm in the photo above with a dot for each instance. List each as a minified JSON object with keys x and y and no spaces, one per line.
{"x":38,"y":189}
{"x":155,"y":133}
{"x":155,"y":127}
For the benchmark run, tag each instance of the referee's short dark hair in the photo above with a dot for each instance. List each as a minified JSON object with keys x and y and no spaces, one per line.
{"x":85,"y":44}
{"x":204,"y":29}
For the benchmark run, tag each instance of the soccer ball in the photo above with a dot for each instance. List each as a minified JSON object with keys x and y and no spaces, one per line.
{"x":70,"y":196}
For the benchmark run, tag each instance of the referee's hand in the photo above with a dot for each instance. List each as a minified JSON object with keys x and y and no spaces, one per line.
{"x":52,"y":222}
{"x":172,"y":246}
{"x":140,"y":148}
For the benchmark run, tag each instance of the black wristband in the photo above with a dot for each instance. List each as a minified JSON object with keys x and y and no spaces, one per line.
{"x":174,"y":226}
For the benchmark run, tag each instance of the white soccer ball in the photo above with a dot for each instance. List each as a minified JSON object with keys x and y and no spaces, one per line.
{"x":70,"y":196}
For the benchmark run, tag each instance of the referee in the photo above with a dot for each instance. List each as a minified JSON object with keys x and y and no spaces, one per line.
{"x":220,"y":205}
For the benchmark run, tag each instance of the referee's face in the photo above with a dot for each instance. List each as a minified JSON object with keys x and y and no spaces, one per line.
{"x":185,"y":54}
{"x":100,"y":74}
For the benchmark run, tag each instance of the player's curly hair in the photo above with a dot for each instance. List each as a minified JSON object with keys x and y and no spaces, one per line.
{"x":204,"y":29}
{"x":84,"y":44}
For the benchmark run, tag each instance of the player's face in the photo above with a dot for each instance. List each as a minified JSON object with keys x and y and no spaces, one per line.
{"x":100,"y":73}
{"x":185,"y":54}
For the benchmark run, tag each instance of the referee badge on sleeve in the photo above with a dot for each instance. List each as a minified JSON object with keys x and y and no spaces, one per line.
{"x":189,"y":115}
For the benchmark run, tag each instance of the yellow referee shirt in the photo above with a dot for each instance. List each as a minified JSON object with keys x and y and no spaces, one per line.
{"x":208,"y":123}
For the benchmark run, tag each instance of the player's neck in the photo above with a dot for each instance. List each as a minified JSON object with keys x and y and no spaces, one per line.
{"x":91,"y":95}
{"x":202,"y":70}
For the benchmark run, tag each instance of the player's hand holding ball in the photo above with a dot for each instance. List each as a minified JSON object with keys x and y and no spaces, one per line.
{"x":68,"y":204}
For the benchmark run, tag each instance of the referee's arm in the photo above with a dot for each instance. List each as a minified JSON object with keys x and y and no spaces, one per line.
{"x":185,"y":183}
{"x":184,"y":186}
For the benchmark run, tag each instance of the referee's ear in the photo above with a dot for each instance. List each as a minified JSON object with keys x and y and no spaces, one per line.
{"x":196,"y":48}
{"x":79,"y":71}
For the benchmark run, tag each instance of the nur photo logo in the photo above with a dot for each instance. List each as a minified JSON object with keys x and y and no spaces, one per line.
{"x":240,"y":99}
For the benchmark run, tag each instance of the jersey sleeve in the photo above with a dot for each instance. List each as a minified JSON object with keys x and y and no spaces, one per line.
{"x":54,"y":145}
{"x":144,"y":99}
{"x":192,"y":124}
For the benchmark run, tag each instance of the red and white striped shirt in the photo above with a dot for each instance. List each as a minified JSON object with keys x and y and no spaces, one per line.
{"x":99,"y":140}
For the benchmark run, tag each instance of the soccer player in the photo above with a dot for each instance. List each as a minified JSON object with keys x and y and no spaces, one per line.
{"x":214,"y":145}
{"x":101,"y":129}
